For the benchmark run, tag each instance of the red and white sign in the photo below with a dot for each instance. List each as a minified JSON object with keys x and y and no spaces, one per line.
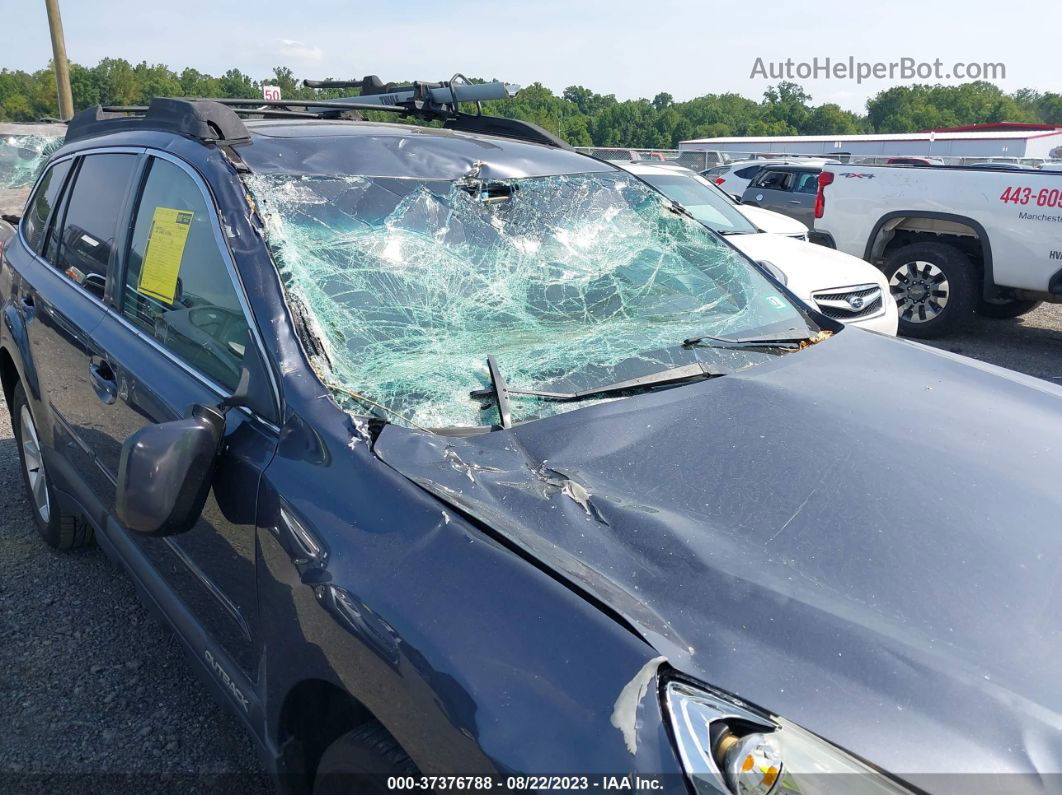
{"x":271,"y":93}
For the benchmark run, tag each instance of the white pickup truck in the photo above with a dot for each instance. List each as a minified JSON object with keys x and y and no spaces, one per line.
{"x":951,"y":240}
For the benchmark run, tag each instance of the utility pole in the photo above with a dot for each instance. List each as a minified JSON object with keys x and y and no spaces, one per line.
{"x":62,"y":69}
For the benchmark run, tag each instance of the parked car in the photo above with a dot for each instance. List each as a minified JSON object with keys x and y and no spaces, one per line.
{"x":786,"y":189}
{"x":839,"y":285}
{"x":733,"y":178}
{"x":981,"y":238}
{"x":526,"y":472}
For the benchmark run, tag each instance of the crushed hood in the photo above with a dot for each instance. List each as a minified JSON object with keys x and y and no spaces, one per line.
{"x":863,"y":537}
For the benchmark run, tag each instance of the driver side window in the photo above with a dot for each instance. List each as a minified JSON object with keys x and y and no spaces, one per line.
{"x":177,"y":285}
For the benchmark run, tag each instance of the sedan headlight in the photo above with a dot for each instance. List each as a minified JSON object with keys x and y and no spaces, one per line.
{"x":729,"y":749}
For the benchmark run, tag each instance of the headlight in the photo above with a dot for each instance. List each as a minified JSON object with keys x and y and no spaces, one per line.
{"x":728,"y":749}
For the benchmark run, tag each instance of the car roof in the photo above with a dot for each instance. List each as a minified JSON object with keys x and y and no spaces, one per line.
{"x":330,"y":147}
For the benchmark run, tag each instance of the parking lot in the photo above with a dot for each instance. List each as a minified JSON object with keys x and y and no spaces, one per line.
{"x":91,"y":681}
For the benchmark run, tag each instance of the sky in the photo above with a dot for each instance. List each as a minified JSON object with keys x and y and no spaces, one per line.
{"x":630,"y":49}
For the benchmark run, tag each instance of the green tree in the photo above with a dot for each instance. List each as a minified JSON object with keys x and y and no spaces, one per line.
{"x":831,"y":119}
{"x":17,"y":108}
{"x":663,"y":100}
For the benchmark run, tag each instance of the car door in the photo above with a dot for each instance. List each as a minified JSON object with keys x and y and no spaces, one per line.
{"x":772,"y":190}
{"x":61,"y":299}
{"x":802,"y":201}
{"x":180,"y":334}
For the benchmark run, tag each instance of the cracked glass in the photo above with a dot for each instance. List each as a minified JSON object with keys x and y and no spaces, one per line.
{"x":570,"y":281}
{"x":21,"y":158}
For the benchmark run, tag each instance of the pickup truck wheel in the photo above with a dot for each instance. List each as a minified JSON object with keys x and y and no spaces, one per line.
{"x":58,"y":529}
{"x":934,"y":288}
{"x":361,"y":761}
{"x":1005,"y":308}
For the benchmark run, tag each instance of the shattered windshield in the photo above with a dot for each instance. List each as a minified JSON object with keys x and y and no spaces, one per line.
{"x":570,"y":281}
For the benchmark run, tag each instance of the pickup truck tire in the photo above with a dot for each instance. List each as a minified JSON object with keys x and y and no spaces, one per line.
{"x":1005,"y":309}
{"x":58,"y":528}
{"x":361,"y":761}
{"x":935,"y":286}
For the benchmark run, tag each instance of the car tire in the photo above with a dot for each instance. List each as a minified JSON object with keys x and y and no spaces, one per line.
{"x":1004,"y":309}
{"x":934,"y":286}
{"x":361,"y":761}
{"x":59,"y":529}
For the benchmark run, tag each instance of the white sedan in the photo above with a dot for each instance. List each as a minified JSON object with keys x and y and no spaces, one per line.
{"x":838,"y":285}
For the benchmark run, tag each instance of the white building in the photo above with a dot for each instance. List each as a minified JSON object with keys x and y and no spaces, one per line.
{"x":997,"y":141}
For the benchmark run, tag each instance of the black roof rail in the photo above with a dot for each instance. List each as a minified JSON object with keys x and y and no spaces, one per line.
{"x":205,"y":120}
{"x":218,"y":120}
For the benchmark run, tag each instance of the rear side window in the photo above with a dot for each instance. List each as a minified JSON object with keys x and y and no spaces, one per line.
{"x":807,"y":182}
{"x":40,"y":206}
{"x":177,"y":286}
{"x":717,"y":171}
{"x":86,"y":240}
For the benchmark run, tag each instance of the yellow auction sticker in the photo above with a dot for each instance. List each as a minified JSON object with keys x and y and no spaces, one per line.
{"x":165,"y":248}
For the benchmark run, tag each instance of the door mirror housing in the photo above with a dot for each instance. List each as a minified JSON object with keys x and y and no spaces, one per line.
{"x":165,"y":472}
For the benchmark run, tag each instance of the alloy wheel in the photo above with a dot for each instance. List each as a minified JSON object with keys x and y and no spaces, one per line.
{"x":921,"y":291}
{"x":34,"y":463}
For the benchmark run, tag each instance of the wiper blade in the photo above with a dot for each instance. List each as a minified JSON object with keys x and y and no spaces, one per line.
{"x":500,"y":392}
{"x":707,"y":340}
{"x":675,"y":375}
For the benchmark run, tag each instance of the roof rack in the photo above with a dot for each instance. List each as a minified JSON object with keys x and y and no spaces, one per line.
{"x":208,"y":121}
{"x":218,"y":120}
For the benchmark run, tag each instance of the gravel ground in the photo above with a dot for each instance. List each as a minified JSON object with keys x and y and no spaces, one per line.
{"x":1030,"y":344}
{"x":90,"y":682}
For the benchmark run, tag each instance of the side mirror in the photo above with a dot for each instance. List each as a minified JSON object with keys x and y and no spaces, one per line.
{"x":777,"y":273}
{"x":165,"y":472}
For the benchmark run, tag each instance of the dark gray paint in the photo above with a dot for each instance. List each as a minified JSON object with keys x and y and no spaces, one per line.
{"x":861,"y":537}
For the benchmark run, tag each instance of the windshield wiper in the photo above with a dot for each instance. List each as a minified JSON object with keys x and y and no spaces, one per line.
{"x":788,"y":343}
{"x":499,"y":392}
